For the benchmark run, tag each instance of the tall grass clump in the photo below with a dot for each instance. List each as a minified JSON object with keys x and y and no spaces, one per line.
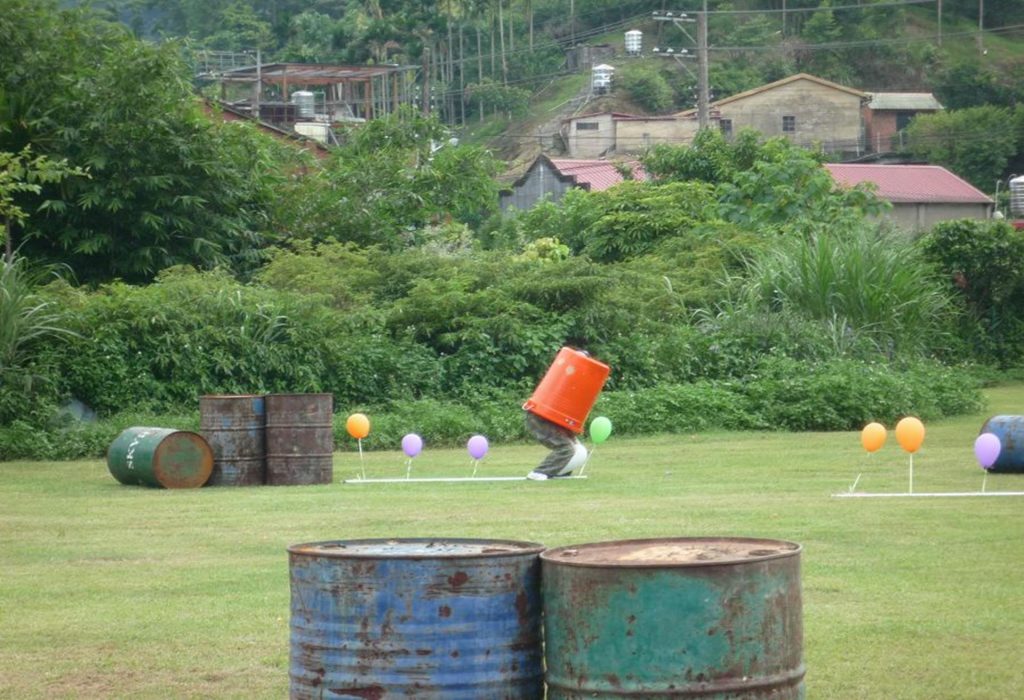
{"x":28,"y":321}
{"x":863,"y":284}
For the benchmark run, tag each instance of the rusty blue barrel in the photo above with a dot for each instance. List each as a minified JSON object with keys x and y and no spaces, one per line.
{"x":160,"y":457}
{"x":452,"y":619}
{"x":300,"y":439}
{"x":710,"y":618}
{"x":235,"y":427}
{"x":1010,"y":431}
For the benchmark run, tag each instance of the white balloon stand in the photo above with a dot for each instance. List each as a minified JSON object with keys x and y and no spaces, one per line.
{"x":452,"y":479}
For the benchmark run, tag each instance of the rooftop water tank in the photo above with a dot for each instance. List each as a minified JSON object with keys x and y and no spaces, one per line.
{"x":305,"y":104}
{"x":634,"y":42}
{"x":1017,"y":197}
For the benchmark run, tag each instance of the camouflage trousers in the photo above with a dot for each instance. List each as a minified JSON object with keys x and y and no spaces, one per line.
{"x":561,"y":441}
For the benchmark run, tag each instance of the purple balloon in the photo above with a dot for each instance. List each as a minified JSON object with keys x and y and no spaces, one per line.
{"x":477,"y":446}
{"x":412,"y":444}
{"x":986,"y":449}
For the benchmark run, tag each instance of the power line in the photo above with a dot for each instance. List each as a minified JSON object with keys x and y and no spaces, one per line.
{"x":792,"y":10}
{"x":863,"y":42}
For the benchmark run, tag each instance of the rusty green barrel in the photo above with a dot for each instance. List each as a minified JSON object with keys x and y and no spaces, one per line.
{"x":446,"y":619}
{"x":160,"y":457}
{"x":300,"y":439}
{"x":1010,"y":431}
{"x":235,"y":428}
{"x":709,"y":618}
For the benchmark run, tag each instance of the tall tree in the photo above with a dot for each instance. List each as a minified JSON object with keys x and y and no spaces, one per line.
{"x":167,"y":185}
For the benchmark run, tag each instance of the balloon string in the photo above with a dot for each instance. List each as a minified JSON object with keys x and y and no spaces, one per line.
{"x":408,"y":467}
{"x":362,"y":465}
{"x":911,"y":472}
{"x":593,"y":449}
{"x":983,"y":480}
{"x":476,"y":463}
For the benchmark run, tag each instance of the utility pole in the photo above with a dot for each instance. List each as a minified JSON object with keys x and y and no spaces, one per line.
{"x":940,"y":21}
{"x":981,"y":27}
{"x":426,"y":81}
{"x":678,"y":19}
{"x":703,"y":117}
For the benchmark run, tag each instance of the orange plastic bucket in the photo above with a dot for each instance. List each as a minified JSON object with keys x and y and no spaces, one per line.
{"x":569,"y":389}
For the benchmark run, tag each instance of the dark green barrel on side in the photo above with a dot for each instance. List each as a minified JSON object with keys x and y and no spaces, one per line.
{"x":709,"y":618}
{"x":1010,"y":431}
{"x":160,"y":457}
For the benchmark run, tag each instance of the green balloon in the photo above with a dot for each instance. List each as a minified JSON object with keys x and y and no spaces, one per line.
{"x":600,"y":429}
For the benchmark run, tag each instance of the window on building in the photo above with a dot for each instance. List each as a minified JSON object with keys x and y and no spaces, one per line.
{"x":586,"y":126}
{"x":903,"y":120}
{"x":726,"y":126}
{"x":788,"y":125}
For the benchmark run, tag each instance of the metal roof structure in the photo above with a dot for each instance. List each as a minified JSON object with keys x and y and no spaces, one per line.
{"x":345,"y":92}
{"x":910,"y":183}
{"x":904,"y":101}
{"x":310,"y":73}
{"x":595,"y":175}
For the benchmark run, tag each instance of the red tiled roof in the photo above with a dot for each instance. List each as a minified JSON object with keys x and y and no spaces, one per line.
{"x":909,"y":183}
{"x":595,"y":175}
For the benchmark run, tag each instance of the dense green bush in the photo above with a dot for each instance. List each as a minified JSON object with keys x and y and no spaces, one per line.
{"x":983,"y":265}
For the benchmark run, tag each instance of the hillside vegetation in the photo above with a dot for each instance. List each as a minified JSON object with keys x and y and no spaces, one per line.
{"x":156,"y":254}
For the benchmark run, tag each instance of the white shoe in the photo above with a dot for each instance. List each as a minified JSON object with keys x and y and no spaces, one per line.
{"x":537,"y":476}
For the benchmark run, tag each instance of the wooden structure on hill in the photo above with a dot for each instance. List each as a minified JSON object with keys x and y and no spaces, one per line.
{"x":339,"y":93}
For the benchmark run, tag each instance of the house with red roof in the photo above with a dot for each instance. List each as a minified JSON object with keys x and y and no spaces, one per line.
{"x":921,"y":195}
{"x":550,"y":178}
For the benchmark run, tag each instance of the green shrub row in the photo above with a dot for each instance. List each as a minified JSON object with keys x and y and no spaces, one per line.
{"x":779,"y":394}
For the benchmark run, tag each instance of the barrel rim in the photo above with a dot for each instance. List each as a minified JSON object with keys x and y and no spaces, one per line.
{"x":316,"y":548}
{"x":549,"y":554}
{"x":231,"y":396}
{"x":298,"y":394}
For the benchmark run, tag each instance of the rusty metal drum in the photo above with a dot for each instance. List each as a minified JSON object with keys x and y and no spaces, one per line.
{"x":235,"y":427}
{"x":300,"y":439}
{"x":452,"y":619}
{"x":710,"y":618}
{"x":1010,"y":431}
{"x":160,"y":457}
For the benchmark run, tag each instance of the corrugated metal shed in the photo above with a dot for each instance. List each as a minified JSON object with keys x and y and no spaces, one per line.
{"x":904,"y":101}
{"x":910,"y":183}
{"x":595,"y":175}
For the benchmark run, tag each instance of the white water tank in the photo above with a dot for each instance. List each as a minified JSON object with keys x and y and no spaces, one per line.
{"x":634,"y":42}
{"x":305,"y":104}
{"x":601,"y":78}
{"x":1017,"y":197}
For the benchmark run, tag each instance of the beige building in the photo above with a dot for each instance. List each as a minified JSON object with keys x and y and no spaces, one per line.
{"x":810,"y":111}
{"x":921,"y":195}
{"x":600,"y":135}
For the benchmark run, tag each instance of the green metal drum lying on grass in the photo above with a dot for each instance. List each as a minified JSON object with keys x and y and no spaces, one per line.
{"x":160,"y":457}
{"x":709,"y":618}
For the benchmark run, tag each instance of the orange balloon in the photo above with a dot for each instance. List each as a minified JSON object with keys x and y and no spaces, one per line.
{"x":873,"y":437}
{"x":358,"y":426}
{"x":910,"y":433}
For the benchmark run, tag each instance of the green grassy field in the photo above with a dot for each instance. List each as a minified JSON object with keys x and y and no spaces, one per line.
{"x":108,"y":591}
